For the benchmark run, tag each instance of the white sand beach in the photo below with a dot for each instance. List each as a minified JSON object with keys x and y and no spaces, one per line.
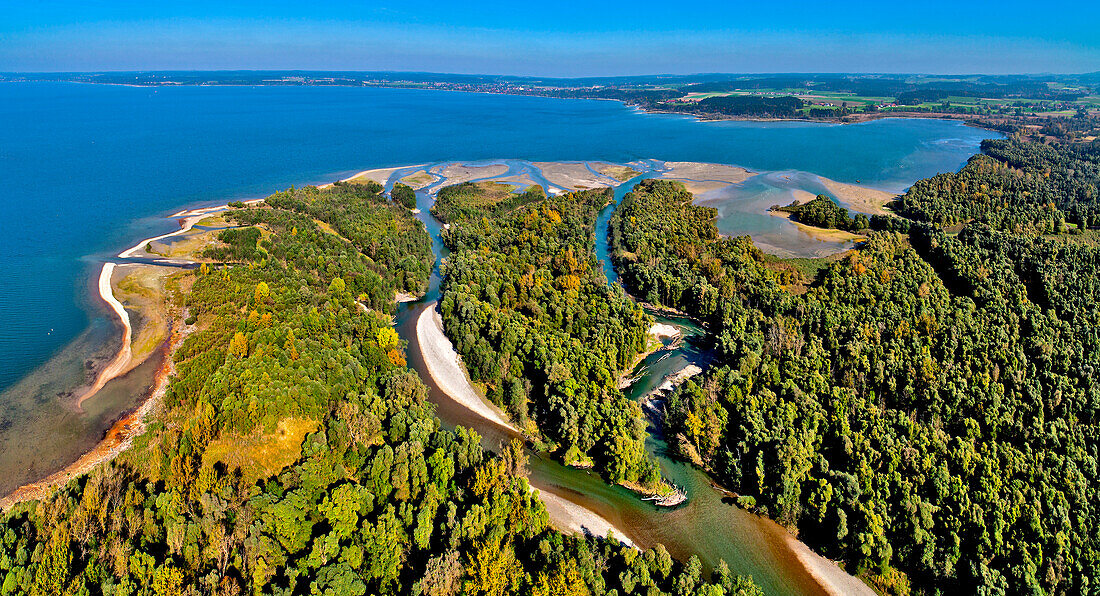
{"x":448,"y":372}
{"x":834,"y":580}
{"x":571,"y":176}
{"x":122,"y":359}
{"x":568,"y":516}
{"x":860,"y":198}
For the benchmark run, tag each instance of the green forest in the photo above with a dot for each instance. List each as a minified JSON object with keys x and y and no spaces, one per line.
{"x":1014,"y":185}
{"x":530,"y":310}
{"x":822,"y":212}
{"x":460,"y":202}
{"x":296,"y":454}
{"x":924,"y":408}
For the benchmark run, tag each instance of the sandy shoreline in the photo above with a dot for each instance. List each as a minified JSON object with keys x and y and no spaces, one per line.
{"x":834,"y":580}
{"x":860,"y":198}
{"x":826,"y":234}
{"x":190,"y":218}
{"x":448,"y":373}
{"x":379,"y":175}
{"x":568,"y":516}
{"x":118,"y":439}
{"x":122,"y":359}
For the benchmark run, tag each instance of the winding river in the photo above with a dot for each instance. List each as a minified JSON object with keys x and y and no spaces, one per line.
{"x":708,"y":525}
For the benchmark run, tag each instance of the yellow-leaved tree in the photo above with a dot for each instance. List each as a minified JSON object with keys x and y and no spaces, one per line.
{"x":238,"y":346}
{"x":386,"y":337}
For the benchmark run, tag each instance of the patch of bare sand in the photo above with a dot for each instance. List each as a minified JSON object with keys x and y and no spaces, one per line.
{"x":826,"y":234}
{"x":622,"y":173}
{"x":802,"y":196}
{"x":141,"y":289}
{"x":860,"y":198}
{"x":568,"y":516}
{"x":699,"y":188}
{"x":122,"y":359}
{"x":706,"y":172}
{"x":459,"y":173}
{"x":379,"y":175}
{"x":446,"y":369}
{"x":420,"y":179}
{"x":834,"y":580}
{"x":571,"y":176}
{"x":138,"y":288}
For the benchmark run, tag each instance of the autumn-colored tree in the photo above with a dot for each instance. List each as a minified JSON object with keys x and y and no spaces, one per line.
{"x":493,"y":570}
{"x":386,"y":337}
{"x":238,"y":346}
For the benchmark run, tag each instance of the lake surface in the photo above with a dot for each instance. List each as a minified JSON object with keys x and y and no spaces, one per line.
{"x":92,"y":169}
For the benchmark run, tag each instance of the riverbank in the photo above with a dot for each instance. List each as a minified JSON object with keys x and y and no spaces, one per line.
{"x":834,"y":580}
{"x":568,"y":516}
{"x":447,"y":371}
{"x":654,"y":342}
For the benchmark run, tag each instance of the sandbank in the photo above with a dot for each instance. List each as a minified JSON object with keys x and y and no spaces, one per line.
{"x":141,"y":289}
{"x":448,"y":373}
{"x":419,"y":179}
{"x":189,"y":221}
{"x":860,"y":198}
{"x":705,"y":172}
{"x":622,"y":173}
{"x":379,"y":175}
{"x":571,"y":176}
{"x":700,"y":187}
{"x":823,"y":234}
{"x":834,"y":580}
{"x":457,"y":173}
{"x":122,"y":359}
{"x":447,"y":370}
{"x":664,"y":330}
{"x":568,"y":516}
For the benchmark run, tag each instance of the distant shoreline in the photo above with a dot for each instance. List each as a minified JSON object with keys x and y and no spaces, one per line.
{"x":860,"y":118}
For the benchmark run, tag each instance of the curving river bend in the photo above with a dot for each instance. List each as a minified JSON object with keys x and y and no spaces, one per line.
{"x":709,"y":524}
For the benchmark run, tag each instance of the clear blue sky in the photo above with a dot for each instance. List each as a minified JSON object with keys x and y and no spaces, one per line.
{"x":556,"y":38}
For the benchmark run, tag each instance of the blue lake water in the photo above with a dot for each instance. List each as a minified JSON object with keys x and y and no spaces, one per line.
{"x":91,"y":169}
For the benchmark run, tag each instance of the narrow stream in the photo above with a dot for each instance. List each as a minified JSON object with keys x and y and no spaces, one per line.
{"x":708,"y":525}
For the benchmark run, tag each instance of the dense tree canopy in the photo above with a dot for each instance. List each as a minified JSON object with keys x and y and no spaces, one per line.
{"x":460,"y":202}
{"x":534,"y":318}
{"x":929,"y":405}
{"x":1014,"y":185}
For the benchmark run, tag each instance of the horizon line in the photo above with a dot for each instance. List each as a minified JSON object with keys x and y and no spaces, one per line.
{"x":528,"y":76}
